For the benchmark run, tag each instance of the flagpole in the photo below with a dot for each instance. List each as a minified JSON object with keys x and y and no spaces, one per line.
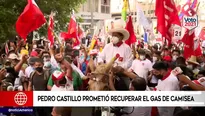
{"x":197,"y":7}
{"x":55,"y":35}
{"x":129,"y":7}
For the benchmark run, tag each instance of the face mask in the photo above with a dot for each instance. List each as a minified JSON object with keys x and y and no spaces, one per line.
{"x":115,"y":40}
{"x":190,"y":67}
{"x":142,"y":57}
{"x":159,"y":76}
{"x":39,"y":69}
{"x":174,"y":58}
{"x":7,"y":67}
{"x":154,"y":59}
{"x":47,"y":64}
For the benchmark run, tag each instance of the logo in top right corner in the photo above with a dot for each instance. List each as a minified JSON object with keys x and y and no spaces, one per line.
{"x":190,"y":22}
{"x":190,"y":18}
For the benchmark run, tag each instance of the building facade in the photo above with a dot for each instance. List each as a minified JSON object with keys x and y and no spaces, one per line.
{"x":148,"y":8}
{"x":98,"y":10}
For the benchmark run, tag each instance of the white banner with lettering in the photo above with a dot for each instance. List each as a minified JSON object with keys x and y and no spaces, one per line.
{"x":118,"y":98}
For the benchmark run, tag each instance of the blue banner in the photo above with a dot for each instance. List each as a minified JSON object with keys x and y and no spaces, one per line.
{"x":16,"y":110}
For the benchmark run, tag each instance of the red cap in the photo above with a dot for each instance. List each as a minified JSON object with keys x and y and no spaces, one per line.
{"x":57,"y":75}
{"x":33,"y":54}
{"x":167,"y":58}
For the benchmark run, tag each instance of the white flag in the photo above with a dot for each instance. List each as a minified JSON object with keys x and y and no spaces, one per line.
{"x":141,"y":19}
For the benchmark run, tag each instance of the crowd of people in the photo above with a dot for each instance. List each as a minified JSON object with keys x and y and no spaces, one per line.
{"x":62,"y":67}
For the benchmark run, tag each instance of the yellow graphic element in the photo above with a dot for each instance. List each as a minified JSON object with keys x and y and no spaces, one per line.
{"x":24,"y":52}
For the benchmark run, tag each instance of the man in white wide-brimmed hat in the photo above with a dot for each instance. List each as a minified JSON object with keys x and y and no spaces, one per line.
{"x":117,"y":46}
{"x":192,"y":64}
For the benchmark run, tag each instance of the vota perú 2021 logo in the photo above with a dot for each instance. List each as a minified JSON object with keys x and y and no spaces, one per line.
{"x":20,"y":98}
{"x":190,"y":22}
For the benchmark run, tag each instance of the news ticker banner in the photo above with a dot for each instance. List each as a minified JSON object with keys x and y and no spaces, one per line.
{"x":102,"y":98}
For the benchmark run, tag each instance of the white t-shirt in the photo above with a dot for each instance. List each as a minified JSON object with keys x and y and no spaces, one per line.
{"x":171,"y":83}
{"x":110,"y":51}
{"x":17,"y":81}
{"x":28,"y":71}
{"x":141,"y":68}
{"x":61,"y":88}
{"x":138,"y":111}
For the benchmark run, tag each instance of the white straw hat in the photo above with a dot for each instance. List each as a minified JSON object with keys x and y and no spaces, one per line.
{"x":119,"y":26}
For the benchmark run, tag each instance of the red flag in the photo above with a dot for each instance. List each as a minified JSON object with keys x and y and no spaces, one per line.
{"x":202,"y":34}
{"x":197,"y":48}
{"x":80,"y":32}
{"x":31,"y":19}
{"x":178,"y":8}
{"x":75,"y":42}
{"x":167,"y":15}
{"x":50,"y":29}
{"x":72,"y":32}
{"x":129,"y":27}
{"x":188,"y":40}
{"x":72,"y":29}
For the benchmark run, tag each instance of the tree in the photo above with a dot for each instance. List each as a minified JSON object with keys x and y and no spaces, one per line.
{"x":11,"y":9}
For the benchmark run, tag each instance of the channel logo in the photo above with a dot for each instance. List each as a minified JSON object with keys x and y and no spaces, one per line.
{"x":20,"y":98}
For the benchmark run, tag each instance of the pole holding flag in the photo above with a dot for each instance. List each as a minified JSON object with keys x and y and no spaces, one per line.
{"x":51,"y":35}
